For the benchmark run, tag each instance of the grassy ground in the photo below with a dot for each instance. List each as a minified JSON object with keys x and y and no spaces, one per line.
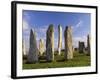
{"x":78,"y":61}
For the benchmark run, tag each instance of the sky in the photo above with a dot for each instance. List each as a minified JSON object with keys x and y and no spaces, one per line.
{"x":40,"y":20}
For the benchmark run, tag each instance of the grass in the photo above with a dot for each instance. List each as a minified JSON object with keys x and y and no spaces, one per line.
{"x":79,"y":60}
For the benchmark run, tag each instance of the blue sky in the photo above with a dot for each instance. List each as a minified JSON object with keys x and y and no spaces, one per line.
{"x":40,"y":20}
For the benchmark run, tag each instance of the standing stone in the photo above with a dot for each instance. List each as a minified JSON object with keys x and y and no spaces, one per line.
{"x":68,"y":43}
{"x":50,"y":43}
{"x":81,"y":47}
{"x":33,"y":50}
{"x":59,"y":39}
{"x":41,"y":47}
{"x":23,"y":48}
{"x":88,"y":45}
{"x":73,"y":48}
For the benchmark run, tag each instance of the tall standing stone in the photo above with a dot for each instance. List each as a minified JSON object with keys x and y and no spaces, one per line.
{"x":81,"y":47}
{"x":88,"y":45}
{"x":41,"y":47}
{"x":50,"y":43}
{"x":68,"y":43}
{"x":23,"y":48}
{"x":59,"y":39}
{"x":33,"y":50}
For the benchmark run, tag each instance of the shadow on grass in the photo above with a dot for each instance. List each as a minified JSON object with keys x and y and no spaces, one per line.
{"x":44,"y":61}
{"x":62,"y":60}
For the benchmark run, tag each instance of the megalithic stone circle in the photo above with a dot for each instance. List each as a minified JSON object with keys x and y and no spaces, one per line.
{"x":59,"y":39}
{"x":23,"y":48}
{"x":68,"y":43}
{"x":81,"y":47}
{"x":33,"y":50}
{"x":88,"y":45}
{"x":41,"y":47}
{"x":50,"y":43}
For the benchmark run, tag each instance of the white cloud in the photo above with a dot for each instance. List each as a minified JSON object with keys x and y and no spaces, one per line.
{"x":79,"y":24}
{"x":26,"y":15}
{"x":42,"y":28}
{"x":25,"y":25}
{"x":26,"y":32}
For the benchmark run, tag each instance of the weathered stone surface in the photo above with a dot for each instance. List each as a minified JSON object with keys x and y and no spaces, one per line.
{"x":23,"y":48}
{"x":68,"y":43}
{"x":73,"y":48}
{"x":50,"y":43}
{"x":59,"y":39}
{"x":88,"y":45}
{"x":81,"y":47}
{"x":41,"y":47}
{"x":33,"y":50}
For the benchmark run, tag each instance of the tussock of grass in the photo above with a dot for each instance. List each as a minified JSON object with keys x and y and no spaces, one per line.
{"x":79,"y":60}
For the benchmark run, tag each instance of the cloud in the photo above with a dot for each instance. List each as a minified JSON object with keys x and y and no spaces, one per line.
{"x":41,"y":32}
{"x":26,"y":15}
{"x":79,"y":24}
{"x":26,"y":32}
{"x":25,"y":25}
{"x":42,"y":28}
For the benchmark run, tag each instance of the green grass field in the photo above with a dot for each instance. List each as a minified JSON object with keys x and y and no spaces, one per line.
{"x":79,"y":60}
